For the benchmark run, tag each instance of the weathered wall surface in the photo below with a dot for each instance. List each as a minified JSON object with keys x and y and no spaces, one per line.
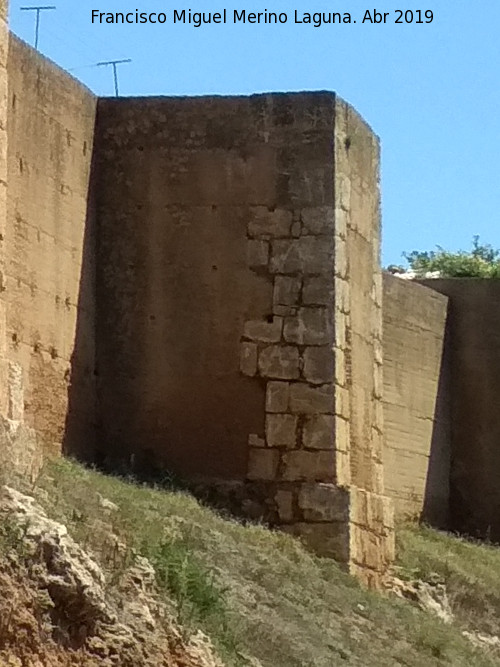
{"x":474,"y":348}
{"x":48,"y":239}
{"x":194,"y":195}
{"x":416,"y":400}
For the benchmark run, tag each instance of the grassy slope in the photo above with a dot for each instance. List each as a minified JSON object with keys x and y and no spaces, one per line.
{"x":259,"y":593}
{"x":470,"y":570}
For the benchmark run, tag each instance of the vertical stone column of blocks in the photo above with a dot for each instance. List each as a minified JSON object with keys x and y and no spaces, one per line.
{"x":319,"y":354}
{"x":293,"y":351}
{"x":303,"y":450}
{"x":358,"y":318}
{"x":303,"y":453}
{"x":359,"y":311}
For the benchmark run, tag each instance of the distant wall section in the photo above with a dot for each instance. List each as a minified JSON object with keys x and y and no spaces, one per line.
{"x":48,"y":248}
{"x":416,"y":400}
{"x":474,"y":349}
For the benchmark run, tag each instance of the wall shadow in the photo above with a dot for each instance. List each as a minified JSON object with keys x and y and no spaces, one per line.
{"x":436,"y":502}
{"x":80,"y":433}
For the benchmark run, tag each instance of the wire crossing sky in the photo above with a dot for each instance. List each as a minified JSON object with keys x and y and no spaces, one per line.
{"x":431,"y":91}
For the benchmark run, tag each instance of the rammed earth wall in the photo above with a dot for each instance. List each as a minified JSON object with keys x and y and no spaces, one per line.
{"x":49,"y":288}
{"x":417,"y":406}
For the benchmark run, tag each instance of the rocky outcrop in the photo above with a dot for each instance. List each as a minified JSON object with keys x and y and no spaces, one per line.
{"x":58,"y":608}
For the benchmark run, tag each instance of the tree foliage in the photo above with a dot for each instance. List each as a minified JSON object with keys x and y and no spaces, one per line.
{"x":482,"y":261}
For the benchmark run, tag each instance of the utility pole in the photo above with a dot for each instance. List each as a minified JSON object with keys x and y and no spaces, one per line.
{"x":38,"y":11}
{"x":114,"y":63}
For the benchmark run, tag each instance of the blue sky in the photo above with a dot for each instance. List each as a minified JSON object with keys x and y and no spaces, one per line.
{"x":431,"y":92}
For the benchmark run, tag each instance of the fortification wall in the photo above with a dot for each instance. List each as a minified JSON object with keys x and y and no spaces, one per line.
{"x":474,"y":348}
{"x":49,"y":264}
{"x":229,"y":231}
{"x":416,"y":400}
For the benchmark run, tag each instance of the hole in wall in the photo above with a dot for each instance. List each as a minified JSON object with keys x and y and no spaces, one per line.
{"x":215,"y":268}
{"x":347,"y":143}
{"x":53,"y":352}
{"x":269,"y":319}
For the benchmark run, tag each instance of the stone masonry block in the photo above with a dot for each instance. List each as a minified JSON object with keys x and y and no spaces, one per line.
{"x":317,"y":291}
{"x":284,"y":311}
{"x":318,"y":432}
{"x":248,"y":359}
{"x":300,"y":465}
{"x":284,"y":503}
{"x":269,"y":224}
{"x":330,"y":540}
{"x":377,"y":443}
{"x":281,"y":430}
{"x":318,"y":220}
{"x":377,"y":324}
{"x":342,"y":402}
{"x":342,"y":295}
{"x":311,"y":326}
{"x":264,"y":332}
{"x":366,"y":549}
{"x":342,"y":434}
{"x":308,"y":400}
{"x":341,"y":264}
{"x":255,"y":440}
{"x":262,"y":464}
{"x":378,"y":415}
{"x":257,"y":254}
{"x":344,"y":192}
{"x":280,"y":362}
{"x":319,"y":364}
{"x":306,"y":255}
{"x":372,"y":510}
{"x":341,"y":323}
{"x":286,"y":290}
{"x":340,"y":367}
{"x":277,"y":396}
{"x":342,"y":468}
{"x":324,"y":502}
{"x":341,"y":223}
{"x":378,"y":381}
